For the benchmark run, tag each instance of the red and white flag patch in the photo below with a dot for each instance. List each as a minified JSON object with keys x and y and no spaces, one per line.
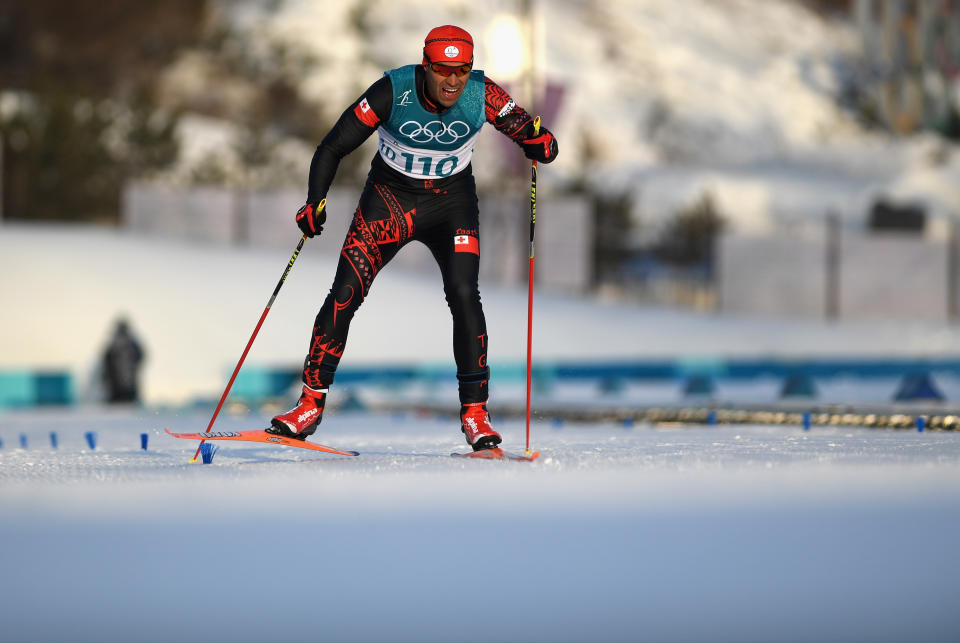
{"x":365,"y":113}
{"x":466,"y":243}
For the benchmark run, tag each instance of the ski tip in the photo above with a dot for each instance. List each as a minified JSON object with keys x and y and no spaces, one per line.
{"x":497,"y":454}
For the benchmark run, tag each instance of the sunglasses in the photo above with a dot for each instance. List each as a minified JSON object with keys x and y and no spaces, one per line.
{"x":445,"y":70}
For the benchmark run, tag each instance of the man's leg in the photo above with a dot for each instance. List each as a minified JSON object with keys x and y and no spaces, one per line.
{"x":380,"y":227}
{"x":456,"y":248}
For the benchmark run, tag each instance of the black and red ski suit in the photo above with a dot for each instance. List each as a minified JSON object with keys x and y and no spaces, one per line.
{"x":395,"y":209}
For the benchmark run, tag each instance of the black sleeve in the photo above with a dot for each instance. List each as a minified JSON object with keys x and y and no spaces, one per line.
{"x":355,"y":125}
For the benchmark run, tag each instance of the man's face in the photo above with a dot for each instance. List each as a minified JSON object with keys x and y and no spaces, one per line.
{"x":446,"y":85}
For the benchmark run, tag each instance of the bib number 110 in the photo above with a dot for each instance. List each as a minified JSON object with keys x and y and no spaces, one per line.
{"x":421,"y":164}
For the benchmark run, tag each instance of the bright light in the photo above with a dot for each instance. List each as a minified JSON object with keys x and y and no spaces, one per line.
{"x":505,"y":52}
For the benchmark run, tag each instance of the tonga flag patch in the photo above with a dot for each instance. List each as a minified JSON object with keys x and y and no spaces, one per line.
{"x":466,"y":243}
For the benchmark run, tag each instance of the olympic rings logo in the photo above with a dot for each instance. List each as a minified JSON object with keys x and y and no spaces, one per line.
{"x":435,"y":131}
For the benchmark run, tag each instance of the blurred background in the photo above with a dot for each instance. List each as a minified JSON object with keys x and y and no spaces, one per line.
{"x":754,"y":202}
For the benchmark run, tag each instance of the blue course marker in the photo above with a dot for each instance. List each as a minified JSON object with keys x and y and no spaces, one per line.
{"x":207,"y":451}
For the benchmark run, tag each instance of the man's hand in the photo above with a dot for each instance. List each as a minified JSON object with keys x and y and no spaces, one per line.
{"x":311,"y":217}
{"x":542,"y":147}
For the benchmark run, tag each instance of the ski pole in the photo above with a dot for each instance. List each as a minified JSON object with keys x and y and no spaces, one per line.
{"x":533,"y":223}
{"x":256,"y":330}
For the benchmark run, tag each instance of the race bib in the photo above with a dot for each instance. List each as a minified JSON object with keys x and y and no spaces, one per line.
{"x":410,"y":153}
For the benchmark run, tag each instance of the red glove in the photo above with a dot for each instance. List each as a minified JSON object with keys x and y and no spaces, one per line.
{"x":311,"y":217}
{"x":542,"y":147}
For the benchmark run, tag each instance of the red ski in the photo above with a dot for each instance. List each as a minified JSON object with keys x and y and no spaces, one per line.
{"x":258,"y":435}
{"x":497,"y":454}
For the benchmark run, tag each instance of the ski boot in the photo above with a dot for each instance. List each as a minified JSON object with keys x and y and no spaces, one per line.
{"x":301,"y":420}
{"x":475,"y":424}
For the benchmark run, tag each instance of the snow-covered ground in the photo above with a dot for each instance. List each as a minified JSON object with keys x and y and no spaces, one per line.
{"x":731,"y":533}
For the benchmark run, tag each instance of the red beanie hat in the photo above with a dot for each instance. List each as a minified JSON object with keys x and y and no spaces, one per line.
{"x":447,"y":44}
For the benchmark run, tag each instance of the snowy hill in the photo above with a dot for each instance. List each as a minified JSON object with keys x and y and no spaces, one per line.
{"x":661,"y":100}
{"x":646,"y":82}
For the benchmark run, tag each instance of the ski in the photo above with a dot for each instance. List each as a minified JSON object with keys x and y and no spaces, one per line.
{"x":497,"y":454}
{"x":258,"y":435}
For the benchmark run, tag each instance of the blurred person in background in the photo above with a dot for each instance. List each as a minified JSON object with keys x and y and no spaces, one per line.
{"x":420,"y":187}
{"x":121,"y":365}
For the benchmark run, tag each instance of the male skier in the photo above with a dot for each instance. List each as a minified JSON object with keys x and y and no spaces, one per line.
{"x":420,"y":187}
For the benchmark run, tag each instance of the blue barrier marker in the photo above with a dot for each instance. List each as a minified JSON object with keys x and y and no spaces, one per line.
{"x":918,"y":386}
{"x":91,"y":437}
{"x":921,"y":423}
{"x":23,"y":441}
{"x":143,"y":441}
{"x":207,"y":452}
{"x":806,"y":421}
{"x":54,"y":442}
{"x":712,"y":418}
{"x":628,"y":423}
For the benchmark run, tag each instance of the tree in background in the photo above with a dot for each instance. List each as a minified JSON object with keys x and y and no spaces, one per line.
{"x":689,"y":237}
{"x":267,"y":73}
{"x":613,"y":244}
{"x":672,"y":263}
{"x":77,"y":114}
{"x":84,"y":106}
